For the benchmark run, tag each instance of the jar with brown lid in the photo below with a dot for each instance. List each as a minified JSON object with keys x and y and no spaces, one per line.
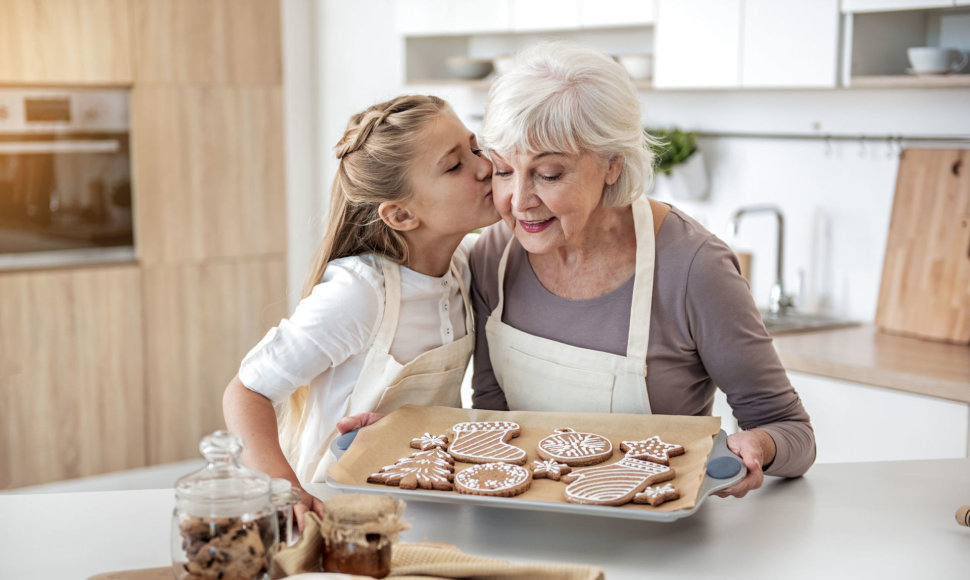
{"x":358,"y":531}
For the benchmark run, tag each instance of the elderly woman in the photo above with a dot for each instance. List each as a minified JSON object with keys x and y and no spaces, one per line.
{"x":590,"y":297}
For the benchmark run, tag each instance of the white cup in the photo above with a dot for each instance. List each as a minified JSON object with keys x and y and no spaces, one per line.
{"x":930,"y":59}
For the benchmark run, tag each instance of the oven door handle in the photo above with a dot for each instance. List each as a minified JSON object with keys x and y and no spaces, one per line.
{"x":59,"y":146}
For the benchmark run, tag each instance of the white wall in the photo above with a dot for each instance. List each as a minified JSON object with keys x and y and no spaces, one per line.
{"x":837,"y":197}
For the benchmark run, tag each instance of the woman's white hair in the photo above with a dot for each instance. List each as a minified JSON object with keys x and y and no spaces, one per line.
{"x":564,"y":97}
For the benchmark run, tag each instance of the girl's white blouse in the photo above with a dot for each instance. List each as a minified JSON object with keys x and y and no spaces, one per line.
{"x":325,"y":341}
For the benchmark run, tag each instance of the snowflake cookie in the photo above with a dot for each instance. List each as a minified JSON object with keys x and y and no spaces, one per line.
{"x":429,"y":441}
{"x":657,"y":494}
{"x":549,"y":469}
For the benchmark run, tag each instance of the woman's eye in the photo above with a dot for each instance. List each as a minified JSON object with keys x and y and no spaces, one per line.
{"x":501,"y":172}
{"x":550,"y":177}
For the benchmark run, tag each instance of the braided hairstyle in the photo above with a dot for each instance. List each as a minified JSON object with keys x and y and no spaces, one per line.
{"x":375,"y":153}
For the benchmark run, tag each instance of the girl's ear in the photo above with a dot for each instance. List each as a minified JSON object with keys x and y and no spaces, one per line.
{"x":613,"y":171}
{"x":397,"y":216}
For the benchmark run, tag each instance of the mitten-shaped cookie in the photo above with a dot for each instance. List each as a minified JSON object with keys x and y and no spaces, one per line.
{"x":614,"y":484}
{"x":486,"y":442}
{"x":432,"y":469}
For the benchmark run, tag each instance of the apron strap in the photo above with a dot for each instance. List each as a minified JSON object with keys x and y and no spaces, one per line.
{"x":465,"y":298}
{"x":639,"y":336}
{"x":392,"y":305}
{"x":501,"y":279}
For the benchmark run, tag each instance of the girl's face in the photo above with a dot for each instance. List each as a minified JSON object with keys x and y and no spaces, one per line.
{"x":547,"y":199}
{"x":451,"y":180}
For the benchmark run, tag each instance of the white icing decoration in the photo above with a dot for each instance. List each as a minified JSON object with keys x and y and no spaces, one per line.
{"x":569,"y":446}
{"x":429,"y":441}
{"x":486,"y":441}
{"x":492,"y":477}
{"x":428,"y":467}
{"x":615,"y":483}
{"x":548,"y":468}
{"x":652,"y":449}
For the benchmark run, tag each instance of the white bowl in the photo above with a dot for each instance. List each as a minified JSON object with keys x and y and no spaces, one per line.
{"x":638,"y":66}
{"x":464,"y":67}
{"x":930,"y":59}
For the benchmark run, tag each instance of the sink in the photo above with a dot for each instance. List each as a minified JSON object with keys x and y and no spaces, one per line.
{"x":800,"y":322}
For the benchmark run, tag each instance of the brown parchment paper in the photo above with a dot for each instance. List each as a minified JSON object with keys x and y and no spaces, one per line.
{"x":389,"y":440}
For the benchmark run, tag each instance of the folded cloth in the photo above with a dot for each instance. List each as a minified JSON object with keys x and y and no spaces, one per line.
{"x":421,"y":561}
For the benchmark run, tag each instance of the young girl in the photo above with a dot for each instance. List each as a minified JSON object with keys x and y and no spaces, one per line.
{"x":385,"y":319}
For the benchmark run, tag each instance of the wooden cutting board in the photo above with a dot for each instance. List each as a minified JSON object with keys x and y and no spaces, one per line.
{"x":925,"y":290}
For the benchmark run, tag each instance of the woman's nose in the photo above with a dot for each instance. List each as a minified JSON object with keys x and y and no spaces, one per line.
{"x":523,"y":196}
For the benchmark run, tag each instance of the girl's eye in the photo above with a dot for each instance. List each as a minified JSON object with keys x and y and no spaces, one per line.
{"x":455,"y":167}
{"x":477,"y":152}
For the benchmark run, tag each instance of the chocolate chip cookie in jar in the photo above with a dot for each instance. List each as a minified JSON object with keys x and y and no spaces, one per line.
{"x":359,"y":531}
{"x":224,"y":526}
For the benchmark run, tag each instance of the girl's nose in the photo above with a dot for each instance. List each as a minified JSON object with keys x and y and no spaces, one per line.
{"x":484,"y":169}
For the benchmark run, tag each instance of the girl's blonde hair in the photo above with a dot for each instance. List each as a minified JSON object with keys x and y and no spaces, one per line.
{"x":564,"y":97}
{"x":375,"y":153}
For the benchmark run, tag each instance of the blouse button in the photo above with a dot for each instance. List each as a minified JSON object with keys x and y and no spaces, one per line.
{"x":444,"y":282}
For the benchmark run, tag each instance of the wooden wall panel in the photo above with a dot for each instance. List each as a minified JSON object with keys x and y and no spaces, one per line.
{"x":209,"y":172}
{"x":200,"y":320}
{"x":206,"y":42}
{"x":70,"y":374}
{"x":65,"y":42}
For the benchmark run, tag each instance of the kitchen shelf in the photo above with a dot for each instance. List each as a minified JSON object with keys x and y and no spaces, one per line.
{"x":910,"y":81}
{"x":484,"y":84}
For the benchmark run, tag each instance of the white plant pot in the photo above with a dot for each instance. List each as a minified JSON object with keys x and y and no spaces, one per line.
{"x":687,"y":181}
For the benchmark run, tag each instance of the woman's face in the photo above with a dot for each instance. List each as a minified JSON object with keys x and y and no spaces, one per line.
{"x":547,"y":199}
{"x":451,"y":179}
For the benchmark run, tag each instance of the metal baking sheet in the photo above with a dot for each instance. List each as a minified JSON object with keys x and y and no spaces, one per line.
{"x":709,"y":486}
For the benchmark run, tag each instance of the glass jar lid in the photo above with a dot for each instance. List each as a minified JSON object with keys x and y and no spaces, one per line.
{"x":224,"y":487}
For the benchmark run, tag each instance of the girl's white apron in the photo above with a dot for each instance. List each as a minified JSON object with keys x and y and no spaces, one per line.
{"x":539,"y":374}
{"x":384,"y":384}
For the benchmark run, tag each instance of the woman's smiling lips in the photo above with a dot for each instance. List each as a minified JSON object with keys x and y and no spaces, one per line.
{"x":534,"y":227}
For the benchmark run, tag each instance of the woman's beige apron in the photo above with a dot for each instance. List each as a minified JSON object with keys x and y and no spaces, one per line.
{"x":539,"y":374}
{"x":384,"y":384}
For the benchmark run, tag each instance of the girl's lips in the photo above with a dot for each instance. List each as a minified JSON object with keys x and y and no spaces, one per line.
{"x":534,"y":227}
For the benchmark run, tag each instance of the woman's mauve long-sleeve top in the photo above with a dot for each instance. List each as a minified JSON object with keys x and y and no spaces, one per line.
{"x":705,"y":333}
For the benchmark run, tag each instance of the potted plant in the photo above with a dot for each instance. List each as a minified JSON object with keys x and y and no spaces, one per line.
{"x":681,"y":173}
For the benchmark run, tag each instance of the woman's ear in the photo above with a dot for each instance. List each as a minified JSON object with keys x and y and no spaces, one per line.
{"x":614,"y":169}
{"x":397,"y":216}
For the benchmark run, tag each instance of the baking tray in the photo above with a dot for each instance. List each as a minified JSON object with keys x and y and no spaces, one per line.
{"x":723,"y":470}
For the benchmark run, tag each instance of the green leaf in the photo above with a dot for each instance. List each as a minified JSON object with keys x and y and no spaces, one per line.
{"x":671,"y":146}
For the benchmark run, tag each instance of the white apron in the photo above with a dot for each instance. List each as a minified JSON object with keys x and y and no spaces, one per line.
{"x":539,"y":374}
{"x":384,"y":384}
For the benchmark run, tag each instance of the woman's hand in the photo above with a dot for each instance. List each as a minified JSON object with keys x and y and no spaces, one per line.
{"x":306,"y":504}
{"x":357,"y":421}
{"x":755,"y":448}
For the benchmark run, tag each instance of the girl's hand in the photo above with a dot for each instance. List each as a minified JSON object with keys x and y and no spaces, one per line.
{"x":306,"y":504}
{"x":357,"y":421}
{"x":755,"y":448}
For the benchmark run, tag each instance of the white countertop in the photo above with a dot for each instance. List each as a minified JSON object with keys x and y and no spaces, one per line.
{"x":850,"y":520}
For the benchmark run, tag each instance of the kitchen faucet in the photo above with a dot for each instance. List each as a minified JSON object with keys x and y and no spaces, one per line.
{"x":778,"y":301}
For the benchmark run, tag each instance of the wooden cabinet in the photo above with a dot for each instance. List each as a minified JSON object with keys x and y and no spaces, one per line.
{"x":208,"y":168}
{"x":746,"y":43}
{"x":790,"y":43}
{"x":70,"y":374}
{"x":697,"y":44}
{"x":200,"y":320}
{"x":65,"y":42}
{"x":856,"y":422}
{"x":207,"y":41}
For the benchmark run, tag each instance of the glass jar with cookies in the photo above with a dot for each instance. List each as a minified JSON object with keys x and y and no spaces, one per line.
{"x":224,"y":524}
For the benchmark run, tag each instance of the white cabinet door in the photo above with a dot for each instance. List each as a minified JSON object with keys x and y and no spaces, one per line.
{"x":605,"y":13}
{"x":886,"y":5}
{"x":537,"y":15}
{"x":445,"y":17}
{"x":790,"y":43}
{"x":698,"y":44}
{"x":855,"y":422}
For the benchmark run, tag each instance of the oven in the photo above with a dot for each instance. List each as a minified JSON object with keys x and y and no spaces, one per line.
{"x":65,"y":177}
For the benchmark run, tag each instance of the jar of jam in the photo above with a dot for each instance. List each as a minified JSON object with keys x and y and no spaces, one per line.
{"x":358,"y":532}
{"x":224,"y":524}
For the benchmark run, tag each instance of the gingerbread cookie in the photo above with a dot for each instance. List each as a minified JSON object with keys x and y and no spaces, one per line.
{"x":657,"y":494}
{"x":574,"y":448}
{"x":432,"y":469}
{"x":486,"y":442}
{"x":429,"y":441}
{"x":549,"y":469}
{"x":652,"y":449}
{"x":496,"y":479}
{"x":614,"y":484}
